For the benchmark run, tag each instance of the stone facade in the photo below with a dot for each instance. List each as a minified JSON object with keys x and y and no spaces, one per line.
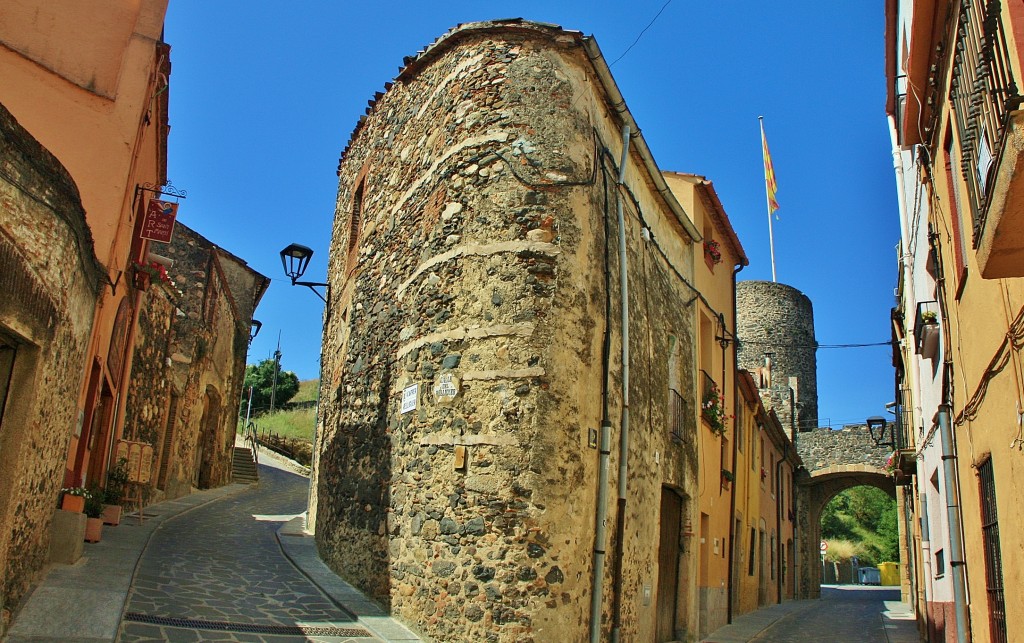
{"x":50,"y":281}
{"x":474,"y":285}
{"x":189,"y":363}
{"x":779,"y":319}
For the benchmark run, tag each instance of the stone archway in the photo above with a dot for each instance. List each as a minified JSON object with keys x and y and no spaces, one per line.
{"x":815,"y":491}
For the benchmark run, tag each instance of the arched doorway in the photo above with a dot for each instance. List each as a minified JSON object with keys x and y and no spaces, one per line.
{"x":815,"y":492}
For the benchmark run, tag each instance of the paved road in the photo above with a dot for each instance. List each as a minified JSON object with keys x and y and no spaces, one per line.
{"x":844,"y":614}
{"x":217,"y":573}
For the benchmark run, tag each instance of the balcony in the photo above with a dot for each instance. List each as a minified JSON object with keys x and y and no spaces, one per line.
{"x":991,"y":132}
{"x":677,"y":416}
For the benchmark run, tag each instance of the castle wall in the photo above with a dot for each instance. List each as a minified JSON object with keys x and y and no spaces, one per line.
{"x":479,"y":190}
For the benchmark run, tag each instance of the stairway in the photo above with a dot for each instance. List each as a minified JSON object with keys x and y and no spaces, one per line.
{"x":243,"y":467}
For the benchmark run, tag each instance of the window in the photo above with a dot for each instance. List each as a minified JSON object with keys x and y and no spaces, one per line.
{"x":750,"y":559}
{"x":953,"y":192}
{"x":993,"y":556}
{"x":7,"y":353}
{"x":738,"y":423}
{"x":355,"y":222}
{"x":676,"y":402}
{"x":940,"y":563}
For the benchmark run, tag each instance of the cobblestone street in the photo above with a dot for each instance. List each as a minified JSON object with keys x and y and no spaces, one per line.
{"x":217,"y":573}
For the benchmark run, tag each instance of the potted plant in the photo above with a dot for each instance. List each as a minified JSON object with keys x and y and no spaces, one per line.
{"x":713,"y":410}
{"x":727,"y":478}
{"x":713,"y":251}
{"x":73,"y":499}
{"x":94,"y":521}
{"x":930,"y":317}
{"x":113,"y":493}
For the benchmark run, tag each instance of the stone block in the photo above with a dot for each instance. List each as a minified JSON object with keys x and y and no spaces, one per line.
{"x":67,"y":537}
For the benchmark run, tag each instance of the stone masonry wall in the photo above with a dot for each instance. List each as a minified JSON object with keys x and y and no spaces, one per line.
{"x":49,"y":280}
{"x":779,"y":319}
{"x":475,"y":289}
{"x":823,"y":448}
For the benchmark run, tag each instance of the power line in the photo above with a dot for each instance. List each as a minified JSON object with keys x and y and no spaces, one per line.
{"x":655,"y":19}
{"x":814,"y":345}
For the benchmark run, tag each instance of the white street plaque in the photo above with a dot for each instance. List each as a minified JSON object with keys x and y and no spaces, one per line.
{"x":446,"y":388}
{"x":409,"y":395}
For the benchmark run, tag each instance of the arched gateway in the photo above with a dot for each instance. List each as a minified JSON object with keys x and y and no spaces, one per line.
{"x":835,"y":461}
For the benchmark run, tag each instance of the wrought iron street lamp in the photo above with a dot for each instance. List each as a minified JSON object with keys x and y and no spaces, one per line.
{"x":294,"y":259}
{"x":878,"y":428}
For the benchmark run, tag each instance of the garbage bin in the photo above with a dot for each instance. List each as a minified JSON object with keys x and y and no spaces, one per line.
{"x":890,"y":573}
{"x":869,"y":576}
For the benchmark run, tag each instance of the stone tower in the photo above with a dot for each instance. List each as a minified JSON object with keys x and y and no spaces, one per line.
{"x":775,"y":324}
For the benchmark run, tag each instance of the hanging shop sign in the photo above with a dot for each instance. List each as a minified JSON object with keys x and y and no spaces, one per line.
{"x":158,"y":220}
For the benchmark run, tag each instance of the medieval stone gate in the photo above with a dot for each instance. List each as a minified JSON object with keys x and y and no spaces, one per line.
{"x":835,"y":461}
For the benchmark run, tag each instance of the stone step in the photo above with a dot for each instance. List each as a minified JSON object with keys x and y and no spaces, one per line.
{"x":243,"y":468}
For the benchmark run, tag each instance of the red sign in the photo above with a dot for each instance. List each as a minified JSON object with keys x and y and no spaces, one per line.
{"x":158,"y":221}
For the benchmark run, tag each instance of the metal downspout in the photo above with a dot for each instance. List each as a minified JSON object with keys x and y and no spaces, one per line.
{"x":735,"y":446}
{"x":624,"y":430}
{"x":956,"y":558}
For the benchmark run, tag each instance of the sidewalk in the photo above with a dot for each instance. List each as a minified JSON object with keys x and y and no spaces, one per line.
{"x":85,"y":602}
{"x":747,"y":626}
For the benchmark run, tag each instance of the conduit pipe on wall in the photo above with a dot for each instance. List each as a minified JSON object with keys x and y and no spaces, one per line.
{"x":736,"y":401}
{"x":620,"y":517}
{"x":600,"y":534}
{"x":906,"y":257}
{"x":956,"y":558}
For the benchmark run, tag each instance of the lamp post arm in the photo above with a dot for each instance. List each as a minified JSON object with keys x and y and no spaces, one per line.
{"x":311,"y":285}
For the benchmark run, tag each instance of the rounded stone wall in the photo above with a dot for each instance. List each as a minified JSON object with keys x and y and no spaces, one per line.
{"x":777,"y":319}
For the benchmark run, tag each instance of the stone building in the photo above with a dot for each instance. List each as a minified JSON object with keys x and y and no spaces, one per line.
{"x":45,"y":321}
{"x":954,"y":74}
{"x":189,"y":362}
{"x":777,"y":345}
{"x":478,"y":472}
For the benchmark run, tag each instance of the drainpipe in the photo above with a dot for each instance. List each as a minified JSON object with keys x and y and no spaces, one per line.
{"x":778,"y":522}
{"x":600,"y":533}
{"x":735,"y":446}
{"x":956,"y":556}
{"x":620,"y":528}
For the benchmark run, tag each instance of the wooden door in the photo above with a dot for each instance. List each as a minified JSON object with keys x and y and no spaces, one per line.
{"x":668,"y":564}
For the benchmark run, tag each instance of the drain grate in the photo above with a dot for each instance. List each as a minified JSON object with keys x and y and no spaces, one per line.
{"x":248,"y":628}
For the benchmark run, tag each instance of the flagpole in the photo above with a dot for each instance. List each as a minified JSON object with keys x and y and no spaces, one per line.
{"x":768,"y":203}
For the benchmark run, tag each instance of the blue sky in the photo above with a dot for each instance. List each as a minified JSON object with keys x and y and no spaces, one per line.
{"x":264,"y":96}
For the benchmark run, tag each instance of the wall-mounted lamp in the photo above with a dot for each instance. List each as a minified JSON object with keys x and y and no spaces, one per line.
{"x":878,"y":428}
{"x":254,"y":329}
{"x":295,"y":258}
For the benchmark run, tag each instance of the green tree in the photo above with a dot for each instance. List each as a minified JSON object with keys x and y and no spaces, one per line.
{"x":261,"y":378}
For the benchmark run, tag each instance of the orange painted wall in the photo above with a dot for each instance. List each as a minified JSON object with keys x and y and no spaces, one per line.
{"x":88,"y":79}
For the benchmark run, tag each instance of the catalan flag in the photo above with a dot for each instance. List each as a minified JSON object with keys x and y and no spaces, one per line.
{"x":769,"y":175}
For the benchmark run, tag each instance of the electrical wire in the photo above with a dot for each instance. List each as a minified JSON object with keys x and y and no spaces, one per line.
{"x":649,"y":25}
{"x":813,"y":345}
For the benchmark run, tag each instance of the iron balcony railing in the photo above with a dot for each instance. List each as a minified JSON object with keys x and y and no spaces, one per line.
{"x":983,"y":91}
{"x":677,"y":415}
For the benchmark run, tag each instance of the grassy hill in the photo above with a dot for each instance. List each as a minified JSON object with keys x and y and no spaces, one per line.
{"x":298,"y":423}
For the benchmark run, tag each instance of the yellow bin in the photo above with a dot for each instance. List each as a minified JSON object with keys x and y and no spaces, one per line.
{"x":890,"y":573}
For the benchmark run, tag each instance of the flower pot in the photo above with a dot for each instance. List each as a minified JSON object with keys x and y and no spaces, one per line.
{"x":72,"y":503}
{"x":111,"y":515}
{"x":93,"y":530}
{"x":142,"y":280}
